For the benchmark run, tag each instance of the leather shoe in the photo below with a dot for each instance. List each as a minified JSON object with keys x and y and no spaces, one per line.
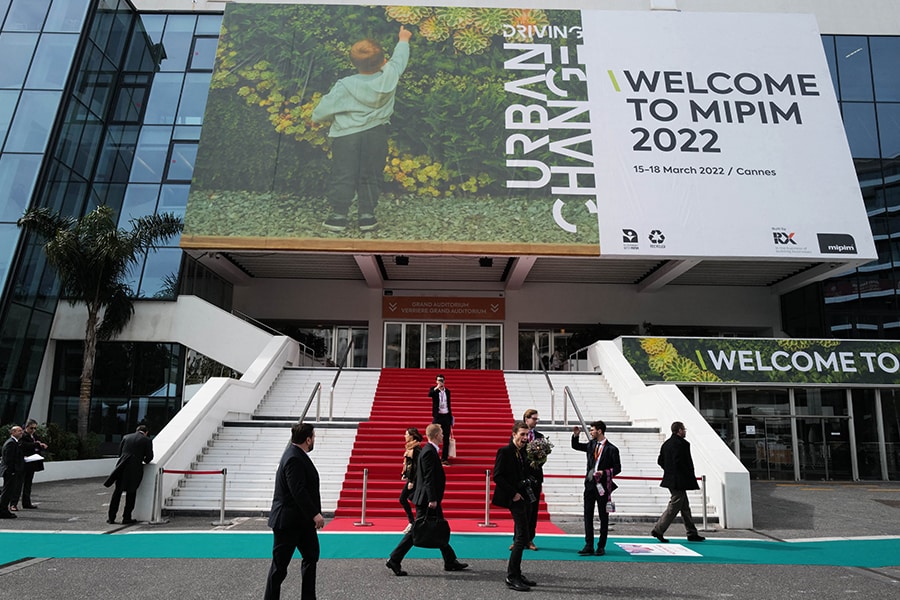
{"x":517,"y":584}
{"x":8,"y":515}
{"x":29,"y":506}
{"x":129,"y":521}
{"x":588,"y":550}
{"x":600,"y":552}
{"x":659,"y":536}
{"x":531,"y":546}
{"x":528,"y":582}
{"x":111,"y":521}
{"x":456,"y":566}
{"x":395,"y":568}
{"x":696,"y":537}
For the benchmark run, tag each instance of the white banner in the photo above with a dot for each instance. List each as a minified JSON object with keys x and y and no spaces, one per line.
{"x":719,"y":135}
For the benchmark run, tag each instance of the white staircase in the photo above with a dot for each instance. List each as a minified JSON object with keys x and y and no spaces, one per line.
{"x":565,"y":469}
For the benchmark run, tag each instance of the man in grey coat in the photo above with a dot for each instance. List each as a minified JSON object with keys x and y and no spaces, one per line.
{"x":135,"y":451}
{"x":678,"y":475}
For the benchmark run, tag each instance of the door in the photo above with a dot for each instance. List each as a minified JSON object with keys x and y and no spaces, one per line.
{"x":443,"y":346}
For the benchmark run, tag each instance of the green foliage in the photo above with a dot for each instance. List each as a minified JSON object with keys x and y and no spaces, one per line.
{"x":61,"y":444}
{"x":275,"y":62}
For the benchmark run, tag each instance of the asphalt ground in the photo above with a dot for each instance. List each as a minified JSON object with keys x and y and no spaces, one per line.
{"x":810,"y":540}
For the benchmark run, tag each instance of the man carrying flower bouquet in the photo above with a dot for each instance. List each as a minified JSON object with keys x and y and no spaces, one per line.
{"x":537,"y":449}
{"x":603,"y":464}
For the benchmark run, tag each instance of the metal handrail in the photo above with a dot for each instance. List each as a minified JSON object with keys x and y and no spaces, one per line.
{"x":335,"y":380}
{"x":317,"y":391}
{"x":537,"y":352}
{"x":304,"y":349}
{"x":574,"y":356}
{"x":568,"y":392}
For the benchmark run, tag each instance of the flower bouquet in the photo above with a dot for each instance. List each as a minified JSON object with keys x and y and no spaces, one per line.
{"x":537,"y":450}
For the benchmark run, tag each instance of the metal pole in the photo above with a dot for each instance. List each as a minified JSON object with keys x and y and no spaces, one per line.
{"x":362,"y":520}
{"x":157,"y":508}
{"x":222,"y":520}
{"x":553,"y":407}
{"x":703,"y":495}
{"x":487,"y":501}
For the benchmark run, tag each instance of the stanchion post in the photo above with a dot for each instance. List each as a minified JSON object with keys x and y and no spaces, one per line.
{"x":362,"y":520}
{"x":157,"y":504}
{"x":487,"y":501}
{"x":222,"y":521}
{"x":703,"y":496}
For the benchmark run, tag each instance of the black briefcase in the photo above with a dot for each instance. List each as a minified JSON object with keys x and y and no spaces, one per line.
{"x":431,"y":531}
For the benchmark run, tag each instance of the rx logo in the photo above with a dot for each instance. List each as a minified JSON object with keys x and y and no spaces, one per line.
{"x":783,"y":239}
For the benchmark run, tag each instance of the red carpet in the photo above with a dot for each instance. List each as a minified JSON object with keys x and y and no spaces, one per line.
{"x":483,"y":422}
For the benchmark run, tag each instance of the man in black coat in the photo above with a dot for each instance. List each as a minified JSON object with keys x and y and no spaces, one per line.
{"x":535,"y":473}
{"x":12,"y":466}
{"x":442,"y":414}
{"x":678,"y":475}
{"x":135,"y":451}
{"x":512,"y":490}
{"x":603,"y":464}
{"x":427,"y":496}
{"x":296,"y":514}
{"x":31,"y":445}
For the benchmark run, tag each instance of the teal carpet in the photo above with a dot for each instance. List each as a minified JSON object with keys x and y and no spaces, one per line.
{"x":848,"y":553}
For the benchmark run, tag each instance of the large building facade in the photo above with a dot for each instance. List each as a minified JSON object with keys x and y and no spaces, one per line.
{"x":104,"y":102}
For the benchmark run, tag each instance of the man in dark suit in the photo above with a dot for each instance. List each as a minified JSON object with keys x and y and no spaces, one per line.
{"x":427,"y":495}
{"x":535,"y":473}
{"x":135,"y":451}
{"x":513,"y":491}
{"x":442,"y":414}
{"x":678,"y":475}
{"x":603,"y":464}
{"x":296,"y":514}
{"x":12,"y":467}
{"x":31,"y":445}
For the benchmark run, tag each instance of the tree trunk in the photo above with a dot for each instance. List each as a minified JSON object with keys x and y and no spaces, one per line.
{"x":87,"y":373}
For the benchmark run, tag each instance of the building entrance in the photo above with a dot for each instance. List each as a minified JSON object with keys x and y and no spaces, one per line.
{"x":443,"y":345}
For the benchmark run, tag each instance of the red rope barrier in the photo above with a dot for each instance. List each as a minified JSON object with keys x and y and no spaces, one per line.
{"x":194,"y":472}
{"x":546,"y":475}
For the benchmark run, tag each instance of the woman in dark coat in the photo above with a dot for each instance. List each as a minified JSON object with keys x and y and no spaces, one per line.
{"x":410,"y":460}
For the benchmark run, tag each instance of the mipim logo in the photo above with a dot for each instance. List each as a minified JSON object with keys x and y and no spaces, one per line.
{"x":836,"y":243}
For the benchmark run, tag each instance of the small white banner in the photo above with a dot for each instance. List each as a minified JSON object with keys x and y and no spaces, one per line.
{"x":657,"y":550}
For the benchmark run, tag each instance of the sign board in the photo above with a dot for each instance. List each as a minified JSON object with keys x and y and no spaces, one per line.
{"x":440,"y":308}
{"x":530,"y":131}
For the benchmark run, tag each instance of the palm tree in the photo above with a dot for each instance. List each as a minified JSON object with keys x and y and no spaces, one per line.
{"x":91,"y":257}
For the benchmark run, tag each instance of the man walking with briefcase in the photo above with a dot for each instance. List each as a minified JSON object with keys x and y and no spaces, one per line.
{"x":427,"y":495}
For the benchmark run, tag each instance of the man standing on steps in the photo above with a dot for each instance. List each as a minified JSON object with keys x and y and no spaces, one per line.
{"x":427,"y":496}
{"x":296,"y":514}
{"x":603,"y":464}
{"x":135,"y":451}
{"x":678,"y":475}
{"x":442,"y":414}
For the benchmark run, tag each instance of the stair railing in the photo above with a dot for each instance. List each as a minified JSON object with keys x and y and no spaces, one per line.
{"x":574,"y":359}
{"x":316,"y":394}
{"x":307,"y":355}
{"x":568,"y":393}
{"x":335,"y":380}
{"x":537,"y":353}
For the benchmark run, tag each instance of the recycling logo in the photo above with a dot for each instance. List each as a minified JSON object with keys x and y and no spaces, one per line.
{"x":657,"y":237}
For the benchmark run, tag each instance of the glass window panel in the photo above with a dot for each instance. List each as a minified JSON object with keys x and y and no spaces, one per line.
{"x":140,"y":201}
{"x":153,"y":25}
{"x":885,"y":57}
{"x":493,"y":342}
{"x":865,"y":424}
{"x":17,"y":176}
{"x":173,"y":199}
{"x":177,"y":41}
{"x":163,"y":101}
{"x":16,"y":50}
{"x":889,"y":128}
{"x":203,"y":57}
{"x":52,"y":62}
{"x":413,"y":349}
{"x":193,"y":99}
{"x":392,"y":339}
{"x":150,"y":155}
{"x":4,"y":6}
{"x":67,"y":15}
{"x":30,"y":363}
{"x":26,"y":15}
{"x":854,"y":72}
{"x":161,"y":274}
{"x":862,"y":130}
{"x":187,"y":132}
{"x":890,"y":408}
{"x":828,"y":46}
{"x":8,"y":99}
{"x":31,"y":125}
{"x":9,"y":235}
{"x":118,"y":36}
{"x":117,"y":154}
{"x":181,"y":163}
{"x":209,"y":24}
{"x":12,"y":341}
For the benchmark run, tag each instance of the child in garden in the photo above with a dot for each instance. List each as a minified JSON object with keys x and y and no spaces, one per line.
{"x":360,"y":107}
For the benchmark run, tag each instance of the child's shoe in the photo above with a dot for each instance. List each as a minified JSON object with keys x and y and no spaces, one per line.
{"x":367,"y":222}
{"x":335,"y":223}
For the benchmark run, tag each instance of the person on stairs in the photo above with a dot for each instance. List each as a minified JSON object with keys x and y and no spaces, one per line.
{"x":408,"y":475}
{"x":442,"y":414}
